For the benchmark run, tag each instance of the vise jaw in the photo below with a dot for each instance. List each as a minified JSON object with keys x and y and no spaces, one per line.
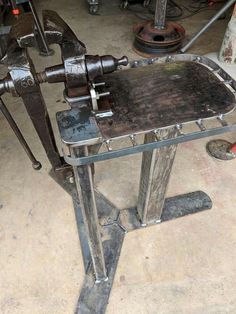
{"x":78,"y":70}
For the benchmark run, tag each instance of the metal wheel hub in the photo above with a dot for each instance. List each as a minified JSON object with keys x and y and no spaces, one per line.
{"x":220,"y":149}
{"x":151,"y":40}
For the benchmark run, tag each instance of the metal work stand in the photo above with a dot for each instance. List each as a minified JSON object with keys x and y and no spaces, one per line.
{"x":101,"y":225}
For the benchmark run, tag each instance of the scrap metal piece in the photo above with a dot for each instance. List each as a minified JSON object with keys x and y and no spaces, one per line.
{"x":222,"y":120}
{"x":220,"y":149}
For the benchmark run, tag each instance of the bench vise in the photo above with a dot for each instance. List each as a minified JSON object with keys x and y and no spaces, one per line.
{"x":78,"y":71}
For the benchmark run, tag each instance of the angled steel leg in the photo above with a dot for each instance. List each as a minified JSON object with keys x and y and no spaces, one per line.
{"x":155,"y":174}
{"x":42,"y":41}
{"x":85,"y":189}
{"x":102,"y":227}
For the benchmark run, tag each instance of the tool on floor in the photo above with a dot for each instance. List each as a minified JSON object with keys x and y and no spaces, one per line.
{"x":221,"y":149}
{"x":158,"y":36}
{"x":205,"y":27}
{"x":165,"y":101}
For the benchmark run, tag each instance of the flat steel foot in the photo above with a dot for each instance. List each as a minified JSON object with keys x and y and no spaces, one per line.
{"x":174,"y":207}
{"x":94,"y":296}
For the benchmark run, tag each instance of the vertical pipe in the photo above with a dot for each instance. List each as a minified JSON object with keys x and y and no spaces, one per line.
{"x":155,"y":175}
{"x":160,"y":14}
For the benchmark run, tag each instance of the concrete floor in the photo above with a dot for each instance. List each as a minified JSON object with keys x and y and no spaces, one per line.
{"x":183,"y":266}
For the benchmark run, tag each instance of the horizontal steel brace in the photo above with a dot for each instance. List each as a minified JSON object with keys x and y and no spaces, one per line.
{"x":149,"y":146}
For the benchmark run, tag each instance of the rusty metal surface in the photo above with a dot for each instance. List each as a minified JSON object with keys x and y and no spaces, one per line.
{"x":150,"y":40}
{"x":161,"y":95}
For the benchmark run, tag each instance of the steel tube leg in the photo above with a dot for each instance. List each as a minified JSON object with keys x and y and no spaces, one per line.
{"x":155,"y":174}
{"x":85,"y":189}
{"x":43,"y":46}
{"x":160,"y":14}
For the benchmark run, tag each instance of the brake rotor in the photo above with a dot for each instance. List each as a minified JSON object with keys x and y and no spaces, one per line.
{"x":150,"y":40}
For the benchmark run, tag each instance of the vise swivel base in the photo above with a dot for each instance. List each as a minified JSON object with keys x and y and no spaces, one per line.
{"x":149,"y":107}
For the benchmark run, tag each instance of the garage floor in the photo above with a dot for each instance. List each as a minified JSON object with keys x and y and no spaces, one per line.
{"x":183,"y":266}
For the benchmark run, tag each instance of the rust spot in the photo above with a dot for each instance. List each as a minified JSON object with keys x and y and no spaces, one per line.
{"x":228,"y":52}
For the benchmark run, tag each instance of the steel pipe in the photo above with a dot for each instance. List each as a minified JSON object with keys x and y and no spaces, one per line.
{"x":215,"y":17}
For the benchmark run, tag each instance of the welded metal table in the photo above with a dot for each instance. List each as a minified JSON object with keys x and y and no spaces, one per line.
{"x":155,"y":105}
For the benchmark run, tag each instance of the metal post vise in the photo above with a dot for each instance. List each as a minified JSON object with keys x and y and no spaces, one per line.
{"x":78,"y":71}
